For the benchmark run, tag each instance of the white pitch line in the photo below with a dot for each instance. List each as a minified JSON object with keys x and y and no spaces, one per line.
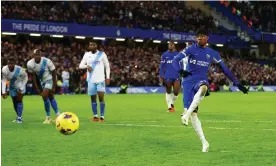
{"x":223,"y":121}
{"x":235,"y":121}
{"x":165,"y":126}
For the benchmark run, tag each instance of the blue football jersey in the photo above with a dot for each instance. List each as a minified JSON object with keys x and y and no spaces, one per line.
{"x":196,"y":60}
{"x":166,"y":68}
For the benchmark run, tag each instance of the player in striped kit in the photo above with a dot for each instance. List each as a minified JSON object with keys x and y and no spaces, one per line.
{"x":44,"y":79}
{"x":18,"y":79}
{"x":98,"y":75}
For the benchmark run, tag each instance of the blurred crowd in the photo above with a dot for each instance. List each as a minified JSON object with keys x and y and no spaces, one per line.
{"x":131,"y":63}
{"x":259,"y":14}
{"x":249,"y":73}
{"x":134,"y":65}
{"x":170,"y":15}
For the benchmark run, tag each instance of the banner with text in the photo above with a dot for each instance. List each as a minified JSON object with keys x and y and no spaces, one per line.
{"x":24,"y":26}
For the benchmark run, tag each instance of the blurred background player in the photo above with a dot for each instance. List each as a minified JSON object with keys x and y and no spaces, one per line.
{"x":18,"y":79}
{"x":65,"y":80}
{"x":197,"y":59}
{"x":44,"y":79}
{"x":169,"y":76}
{"x":98,"y":75}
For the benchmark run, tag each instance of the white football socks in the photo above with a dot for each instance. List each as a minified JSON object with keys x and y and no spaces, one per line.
{"x":174,"y":98}
{"x":198,"y":129}
{"x":169,"y":100}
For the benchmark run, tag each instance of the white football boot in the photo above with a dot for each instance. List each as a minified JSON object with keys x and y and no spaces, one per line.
{"x":185,"y":119}
{"x":47,"y":121}
{"x":205,"y":147}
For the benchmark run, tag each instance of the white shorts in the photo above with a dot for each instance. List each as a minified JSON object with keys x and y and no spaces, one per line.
{"x":47,"y":84}
{"x":93,"y":88}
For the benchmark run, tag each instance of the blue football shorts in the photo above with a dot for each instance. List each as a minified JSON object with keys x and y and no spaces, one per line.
{"x":190,"y":89}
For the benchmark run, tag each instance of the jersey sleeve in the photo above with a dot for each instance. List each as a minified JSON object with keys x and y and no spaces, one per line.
{"x":83,"y":64}
{"x":4,"y":79}
{"x":179,"y":57}
{"x":51,"y":65}
{"x":217,"y":58}
{"x":106,"y":66}
{"x":162,"y":66}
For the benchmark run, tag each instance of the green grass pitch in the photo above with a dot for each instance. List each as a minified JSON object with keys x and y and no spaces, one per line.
{"x":241,"y":130}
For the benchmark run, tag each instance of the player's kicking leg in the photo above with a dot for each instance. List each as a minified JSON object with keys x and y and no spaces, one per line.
{"x":92,"y":92}
{"x":189,"y":102}
{"x":196,"y":100}
{"x":176,"y":89}
{"x":168,"y":85}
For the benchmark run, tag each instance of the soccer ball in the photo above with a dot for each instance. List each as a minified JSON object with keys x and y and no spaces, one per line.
{"x":67,"y":123}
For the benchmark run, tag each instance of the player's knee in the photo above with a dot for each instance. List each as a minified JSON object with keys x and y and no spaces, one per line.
{"x":168,"y":90}
{"x":176,"y":93}
{"x":19,"y":100}
{"x":93,"y":98}
{"x":203,"y":89}
{"x":45,"y":98}
{"x":101,"y":98}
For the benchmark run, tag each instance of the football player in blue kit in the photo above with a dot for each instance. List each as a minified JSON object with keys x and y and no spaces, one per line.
{"x":196,"y":62}
{"x":169,"y":77}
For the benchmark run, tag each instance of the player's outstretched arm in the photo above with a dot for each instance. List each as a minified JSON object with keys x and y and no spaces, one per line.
{"x":228,"y":73}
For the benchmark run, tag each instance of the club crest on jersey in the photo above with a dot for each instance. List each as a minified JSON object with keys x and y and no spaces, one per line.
{"x":207,"y":56}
